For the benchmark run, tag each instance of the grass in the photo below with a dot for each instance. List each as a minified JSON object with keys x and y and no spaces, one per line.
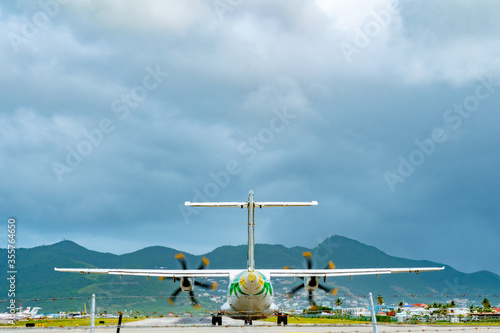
{"x":320,"y":321}
{"x":339,"y":321}
{"x":291,"y":320}
{"x":72,"y":322}
{"x":469,"y":323}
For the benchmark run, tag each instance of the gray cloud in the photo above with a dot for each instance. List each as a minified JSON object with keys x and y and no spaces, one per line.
{"x":231,"y":75}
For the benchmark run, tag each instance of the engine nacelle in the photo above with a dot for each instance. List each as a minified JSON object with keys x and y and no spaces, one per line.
{"x":311,"y":283}
{"x":187,"y":284}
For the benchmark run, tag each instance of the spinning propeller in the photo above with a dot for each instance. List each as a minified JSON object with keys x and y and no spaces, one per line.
{"x":187,"y":284}
{"x":311,"y":283}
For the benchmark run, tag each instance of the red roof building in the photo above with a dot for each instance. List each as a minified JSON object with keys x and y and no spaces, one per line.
{"x":420,"y":305}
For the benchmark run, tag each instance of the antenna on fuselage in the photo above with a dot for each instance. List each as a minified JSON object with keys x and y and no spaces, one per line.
{"x":250,"y":204}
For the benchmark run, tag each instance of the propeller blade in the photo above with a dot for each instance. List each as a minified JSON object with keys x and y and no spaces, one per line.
{"x":294,"y":290}
{"x":202,"y":284}
{"x":322,"y":287}
{"x":171,"y":299}
{"x":308,"y":256}
{"x":331,"y":291}
{"x":311,"y":300}
{"x":204,"y":263}
{"x":182,"y":260}
{"x":196,"y":305}
{"x":187,"y":282}
{"x":212,"y":286}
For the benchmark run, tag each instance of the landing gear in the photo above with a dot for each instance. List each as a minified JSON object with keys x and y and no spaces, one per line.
{"x":216,"y":320}
{"x":282,"y":319}
{"x":248,"y":322}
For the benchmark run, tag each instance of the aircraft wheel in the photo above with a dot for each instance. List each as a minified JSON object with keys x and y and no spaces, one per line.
{"x":282,"y":319}
{"x":216,"y":320}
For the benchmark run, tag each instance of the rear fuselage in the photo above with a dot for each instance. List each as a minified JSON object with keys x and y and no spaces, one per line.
{"x":250,"y":296}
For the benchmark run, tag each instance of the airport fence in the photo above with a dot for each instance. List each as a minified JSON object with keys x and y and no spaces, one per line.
{"x":157,"y":305}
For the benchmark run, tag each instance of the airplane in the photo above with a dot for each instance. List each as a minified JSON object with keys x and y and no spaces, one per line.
{"x":10,"y":316}
{"x":22,"y":315}
{"x":250,"y":292}
{"x":78,"y":315}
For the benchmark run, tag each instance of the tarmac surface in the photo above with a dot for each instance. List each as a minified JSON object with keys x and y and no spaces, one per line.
{"x":199,"y":324}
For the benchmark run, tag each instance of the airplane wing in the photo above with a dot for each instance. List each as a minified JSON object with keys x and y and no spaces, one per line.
{"x":230,"y":273}
{"x":324,"y":273}
{"x":165,"y":273}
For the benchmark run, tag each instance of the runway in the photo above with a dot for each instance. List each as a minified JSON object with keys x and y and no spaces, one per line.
{"x":199,"y":324}
{"x":190,"y":321}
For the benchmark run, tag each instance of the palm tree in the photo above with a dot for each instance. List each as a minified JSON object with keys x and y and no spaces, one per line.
{"x":380,"y":300}
{"x":338,"y":302}
{"x":486,"y":304}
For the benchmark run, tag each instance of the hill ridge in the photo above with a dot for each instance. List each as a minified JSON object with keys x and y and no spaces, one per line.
{"x":38,"y":280}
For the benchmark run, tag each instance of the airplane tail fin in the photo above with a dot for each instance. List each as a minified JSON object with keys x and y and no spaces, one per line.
{"x":34,"y":311}
{"x":250,"y":205}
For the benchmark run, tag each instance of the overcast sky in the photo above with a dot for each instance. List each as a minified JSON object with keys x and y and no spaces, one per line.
{"x":113,"y":113}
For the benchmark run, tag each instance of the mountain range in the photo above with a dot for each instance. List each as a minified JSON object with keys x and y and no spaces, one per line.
{"x":37,"y":282}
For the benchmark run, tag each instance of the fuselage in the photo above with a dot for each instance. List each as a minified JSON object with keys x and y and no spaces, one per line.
{"x":250,"y":296}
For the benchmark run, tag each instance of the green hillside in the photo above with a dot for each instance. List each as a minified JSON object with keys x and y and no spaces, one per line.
{"x":348,"y":253}
{"x":56,"y":291}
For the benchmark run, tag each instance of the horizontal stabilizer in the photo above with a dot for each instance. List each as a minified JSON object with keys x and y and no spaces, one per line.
{"x":216,"y":204}
{"x":245,"y":204}
{"x":285,"y":204}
